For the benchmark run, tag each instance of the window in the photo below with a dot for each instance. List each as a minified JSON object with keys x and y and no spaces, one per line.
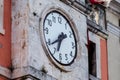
{"x":1,"y":17}
{"x":94,"y":56}
{"x":92,"y":59}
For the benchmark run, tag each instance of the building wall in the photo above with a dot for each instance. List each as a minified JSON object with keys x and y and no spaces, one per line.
{"x":113,"y":42}
{"x":5,"y":41}
{"x":28,"y":55}
{"x":114,"y":57}
{"x":112,"y":18}
{"x":29,"y":59}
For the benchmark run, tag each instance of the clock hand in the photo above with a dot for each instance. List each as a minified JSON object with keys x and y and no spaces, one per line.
{"x":61,"y":39}
{"x":58,"y":46}
{"x":55,"y":41}
{"x":62,"y":36}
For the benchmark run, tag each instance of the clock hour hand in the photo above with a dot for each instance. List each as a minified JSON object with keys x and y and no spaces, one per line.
{"x":58,"y":39}
{"x":61,"y":38}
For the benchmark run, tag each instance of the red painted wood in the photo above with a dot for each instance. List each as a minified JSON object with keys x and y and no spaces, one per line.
{"x":104,"y":59}
{"x":5,"y":40}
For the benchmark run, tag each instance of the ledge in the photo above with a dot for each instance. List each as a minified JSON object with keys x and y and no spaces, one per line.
{"x":93,"y":78}
{"x":117,"y":1}
{"x":30,"y":71}
{"x":5,"y":72}
{"x":114,"y":7}
{"x":99,"y":30}
{"x":113,"y":29}
{"x":80,"y":6}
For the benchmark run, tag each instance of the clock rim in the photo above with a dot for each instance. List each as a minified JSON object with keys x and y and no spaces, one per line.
{"x":73,"y":27}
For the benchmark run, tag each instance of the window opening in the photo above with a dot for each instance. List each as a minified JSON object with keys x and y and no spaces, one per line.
{"x":92,"y":59}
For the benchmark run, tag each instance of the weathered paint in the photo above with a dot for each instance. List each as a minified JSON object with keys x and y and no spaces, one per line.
{"x":5,"y":40}
{"x":104,"y":59}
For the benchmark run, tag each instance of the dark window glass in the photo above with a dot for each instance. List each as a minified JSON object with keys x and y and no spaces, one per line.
{"x":92,"y":58}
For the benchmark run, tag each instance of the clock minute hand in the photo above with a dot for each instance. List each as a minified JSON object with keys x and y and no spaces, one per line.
{"x":59,"y":44}
{"x":55,"y":41}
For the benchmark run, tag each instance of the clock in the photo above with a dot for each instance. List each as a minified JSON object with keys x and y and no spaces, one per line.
{"x":60,"y":38}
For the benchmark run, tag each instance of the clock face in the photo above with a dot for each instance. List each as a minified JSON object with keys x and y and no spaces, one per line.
{"x":59,"y":38}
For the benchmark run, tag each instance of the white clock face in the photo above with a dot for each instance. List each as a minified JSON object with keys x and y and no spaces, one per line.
{"x":59,"y":38}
